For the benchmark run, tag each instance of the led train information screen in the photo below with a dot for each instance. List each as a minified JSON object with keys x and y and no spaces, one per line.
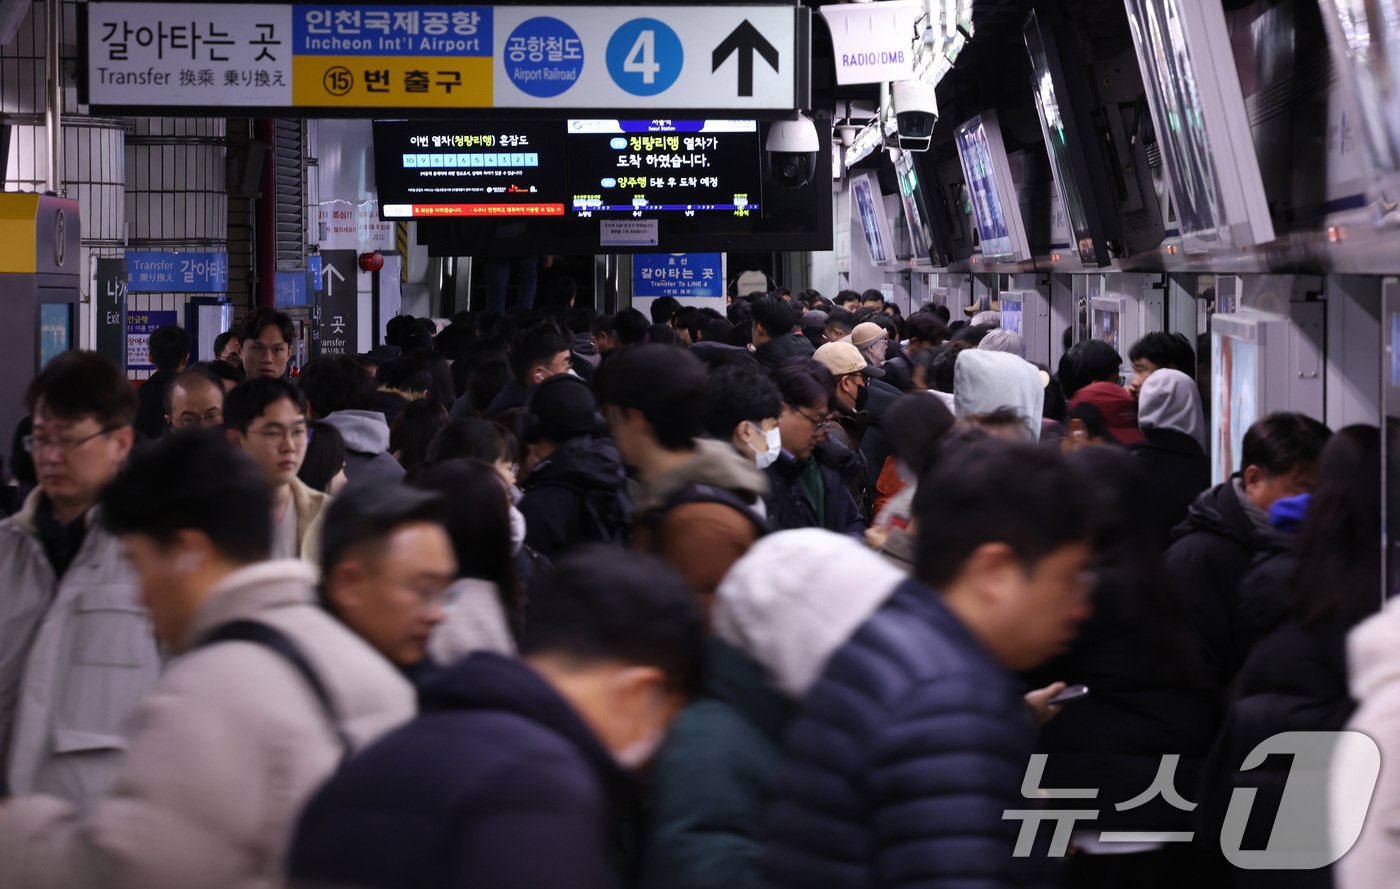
{"x":663,"y":167}
{"x":447,"y":169}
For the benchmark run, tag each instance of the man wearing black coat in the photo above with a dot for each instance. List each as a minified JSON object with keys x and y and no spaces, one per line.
{"x":1228,"y":527}
{"x":514,"y":773}
{"x":912,"y":747}
{"x":576,"y":492}
{"x":773,"y":339}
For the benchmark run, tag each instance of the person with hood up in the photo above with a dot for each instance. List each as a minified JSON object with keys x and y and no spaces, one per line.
{"x":576,"y":490}
{"x":515,"y":774}
{"x":1295,"y":678}
{"x":341,"y":393}
{"x":696,"y":499}
{"x":779,"y":614}
{"x":1228,"y":527}
{"x":987,"y":382}
{"x":1172,"y":453}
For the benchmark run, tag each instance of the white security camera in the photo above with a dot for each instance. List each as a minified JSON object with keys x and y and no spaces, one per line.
{"x":792,"y":151}
{"x":847,"y":133}
{"x":915,"y":113}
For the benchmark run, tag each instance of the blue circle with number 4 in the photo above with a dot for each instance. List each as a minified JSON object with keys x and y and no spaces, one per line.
{"x":645,"y":57}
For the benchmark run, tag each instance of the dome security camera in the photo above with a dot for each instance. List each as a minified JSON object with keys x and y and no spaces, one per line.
{"x":792,"y":151}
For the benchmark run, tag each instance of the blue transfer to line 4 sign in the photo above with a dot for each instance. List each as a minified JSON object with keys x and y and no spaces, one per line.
{"x":150,"y":272}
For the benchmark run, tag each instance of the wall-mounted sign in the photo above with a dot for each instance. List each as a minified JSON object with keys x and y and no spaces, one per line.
{"x":177,"y":272}
{"x":260,"y":57}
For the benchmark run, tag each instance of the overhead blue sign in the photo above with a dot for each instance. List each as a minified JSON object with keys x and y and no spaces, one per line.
{"x":177,"y":272}
{"x":292,"y":289}
{"x":677,"y":274}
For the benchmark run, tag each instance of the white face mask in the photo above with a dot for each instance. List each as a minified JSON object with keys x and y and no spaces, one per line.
{"x":773,"y":440}
{"x":517,"y":530}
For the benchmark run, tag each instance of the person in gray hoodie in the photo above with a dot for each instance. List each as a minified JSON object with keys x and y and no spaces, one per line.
{"x":341,"y":393}
{"x":782,"y":610}
{"x":986,"y":382}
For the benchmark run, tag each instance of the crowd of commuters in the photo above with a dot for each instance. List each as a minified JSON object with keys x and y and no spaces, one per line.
{"x":786,"y":596}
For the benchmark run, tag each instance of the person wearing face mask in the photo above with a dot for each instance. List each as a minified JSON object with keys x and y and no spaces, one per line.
{"x":265,"y":695}
{"x":515,"y":772}
{"x":743,"y":409}
{"x":576,"y":489}
{"x":863,"y":401}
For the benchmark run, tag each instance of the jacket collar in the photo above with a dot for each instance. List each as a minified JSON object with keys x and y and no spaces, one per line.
{"x":486,"y":681}
{"x":28,"y":516}
{"x":309,"y":503}
{"x":251,"y":591}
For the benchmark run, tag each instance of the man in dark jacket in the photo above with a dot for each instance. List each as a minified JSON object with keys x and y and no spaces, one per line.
{"x":576,"y":491}
{"x":535,"y":355}
{"x":1228,"y":526}
{"x":341,"y":393}
{"x":862,"y":401}
{"x":170,"y":351}
{"x":773,"y":339}
{"x":513,"y":773}
{"x":812,"y":478}
{"x":913,"y":746}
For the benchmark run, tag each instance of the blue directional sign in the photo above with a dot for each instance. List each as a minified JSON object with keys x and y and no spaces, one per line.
{"x":677,"y":274}
{"x":292,"y":289}
{"x":177,"y":272}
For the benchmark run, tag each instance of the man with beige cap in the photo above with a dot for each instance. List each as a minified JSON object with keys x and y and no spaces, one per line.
{"x":861,"y":402}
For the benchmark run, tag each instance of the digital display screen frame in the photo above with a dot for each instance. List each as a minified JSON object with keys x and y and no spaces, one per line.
{"x":995,"y":204}
{"x":868,"y":207}
{"x":916,"y":211}
{"x":1197,"y":106}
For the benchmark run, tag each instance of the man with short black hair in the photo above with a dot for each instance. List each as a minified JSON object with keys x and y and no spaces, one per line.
{"x":839,"y":324}
{"x":773,"y":338}
{"x":911,"y":749}
{"x":70,"y":622}
{"x":1228,"y":526}
{"x":848,"y":300}
{"x":576,"y":489}
{"x":169,"y":348}
{"x":265,"y":343}
{"x":663,"y":309}
{"x":872,"y":299}
{"x":401,"y":381}
{"x":743,"y":409}
{"x":696,"y":498}
{"x":815,"y":481}
{"x":1086,"y":362}
{"x":195,"y":400}
{"x":341,"y":393}
{"x":386,"y":564}
{"x":266,"y":419}
{"x":923,"y":331}
{"x":266,"y":695}
{"x":535,"y":355}
{"x":226,"y":349}
{"x":514,"y":774}
{"x":1160,"y":351}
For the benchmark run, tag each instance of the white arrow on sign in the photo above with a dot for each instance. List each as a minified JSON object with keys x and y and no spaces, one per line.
{"x":326,"y":274}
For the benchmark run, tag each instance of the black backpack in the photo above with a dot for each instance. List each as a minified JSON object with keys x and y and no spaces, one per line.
{"x":276,"y":641}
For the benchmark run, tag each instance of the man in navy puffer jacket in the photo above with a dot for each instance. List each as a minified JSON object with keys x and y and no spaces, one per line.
{"x":915,"y":741}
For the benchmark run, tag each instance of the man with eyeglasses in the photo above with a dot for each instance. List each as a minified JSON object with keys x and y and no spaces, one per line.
{"x":76,"y":649}
{"x":266,"y":419}
{"x":195,"y":400}
{"x":811,"y":479}
{"x":386,"y":565}
{"x":265,"y":344}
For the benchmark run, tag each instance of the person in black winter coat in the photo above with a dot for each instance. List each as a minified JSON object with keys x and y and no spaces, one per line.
{"x":577,"y":491}
{"x":1172,"y":455}
{"x":1228,"y":526}
{"x":915,"y":741}
{"x":1147,"y":699}
{"x":1295,"y":679}
{"x":512,"y":775}
{"x":810,"y":484}
{"x":169,"y":349}
{"x":773,"y":339}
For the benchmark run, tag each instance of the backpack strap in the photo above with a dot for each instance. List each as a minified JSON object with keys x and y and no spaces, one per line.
{"x":277,"y":642}
{"x":701,"y":493}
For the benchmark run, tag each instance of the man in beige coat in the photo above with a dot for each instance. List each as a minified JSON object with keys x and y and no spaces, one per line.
{"x":266,"y":419}
{"x":76,"y":650}
{"x":233,"y":739}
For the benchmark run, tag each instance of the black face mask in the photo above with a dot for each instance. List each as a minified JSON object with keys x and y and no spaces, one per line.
{"x":861,"y":395}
